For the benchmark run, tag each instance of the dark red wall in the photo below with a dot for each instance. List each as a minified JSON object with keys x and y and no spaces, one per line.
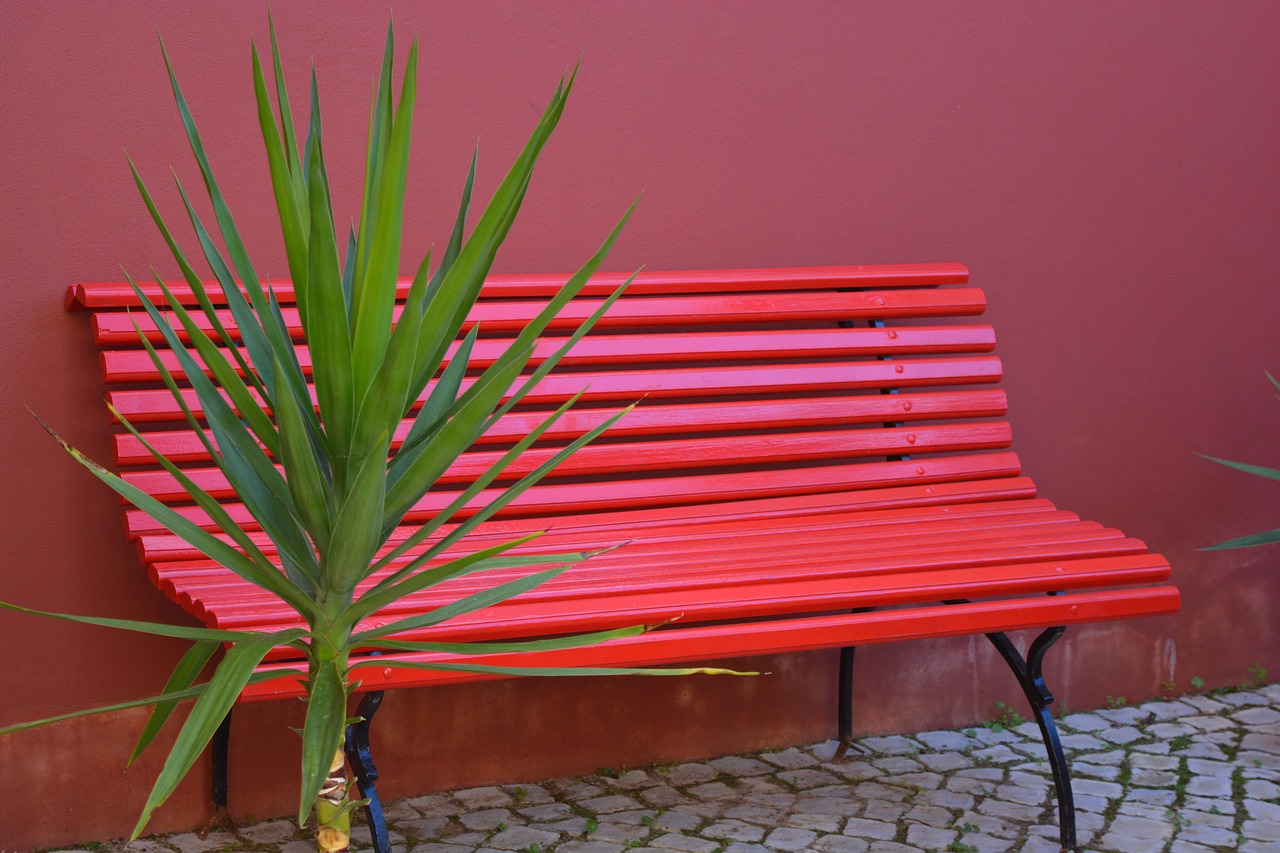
{"x":1108,"y":171}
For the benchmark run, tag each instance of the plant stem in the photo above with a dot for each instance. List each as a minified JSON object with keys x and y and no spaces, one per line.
{"x":333,"y":822}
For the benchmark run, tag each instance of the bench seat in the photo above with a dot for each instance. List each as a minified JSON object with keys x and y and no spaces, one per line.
{"x":819,"y":460}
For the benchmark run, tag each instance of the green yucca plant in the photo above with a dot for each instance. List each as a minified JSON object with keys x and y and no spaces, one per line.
{"x":341,"y":488}
{"x":1266,"y":537}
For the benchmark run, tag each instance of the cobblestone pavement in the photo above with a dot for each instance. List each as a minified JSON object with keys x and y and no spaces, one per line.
{"x":1193,"y":774}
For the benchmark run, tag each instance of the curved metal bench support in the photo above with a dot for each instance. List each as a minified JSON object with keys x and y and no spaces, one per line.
{"x":1031,"y":679}
{"x":1029,"y":672}
{"x":360,"y":757}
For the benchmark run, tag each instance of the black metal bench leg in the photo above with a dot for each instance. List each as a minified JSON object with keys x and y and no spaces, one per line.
{"x":218,"y":753}
{"x":1031,"y":678}
{"x":844,"y":711}
{"x":361,"y":759}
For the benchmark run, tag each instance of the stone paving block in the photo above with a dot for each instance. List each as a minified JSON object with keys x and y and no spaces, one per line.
{"x":1085,"y":722}
{"x":929,"y":816}
{"x":1210,"y":724}
{"x":608,"y":804}
{"x":1214,"y":836}
{"x":944,"y":740}
{"x":590,"y":847}
{"x":896,"y":764}
{"x":789,"y":839}
{"x":876,"y":791}
{"x":998,"y":754}
{"x":1040,"y":844}
{"x":1255,"y":741}
{"x":856,"y":770}
{"x":753,"y":785}
{"x":790,"y":759}
{"x":738,"y":766}
{"x":430,"y":847}
{"x":807,"y":778}
{"x":433,"y":804}
{"x":880,"y":810}
{"x":945,"y":799}
{"x":576,"y":789}
{"x":754,"y":813}
{"x":1261,"y":830}
{"x":1256,"y":716}
{"x":426,"y":827}
{"x":676,"y":821}
{"x":864,"y":828}
{"x":1012,"y":811}
{"x":672,"y":841}
{"x":189,"y":842}
{"x":1097,"y":788}
{"x":662,"y":796}
{"x":1020,"y":794}
{"x":842,"y":844}
{"x":547,"y":812}
{"x":1109,"y":758}
{"x":1209,"y":786}
{"x":711,"y":791}
{"x":1154,"y":778}
{"x":275,"y":831}
{"x":521,"y":838}
{"x":689,"y":774}
{"x":1167,"y":731}
{"x":979,"y":843}
{"x":1260,"y":847}
{"x":991,"y":737}
{"x":487,"y":819}
{"x":1202,"y":749}
{"x":931,"y":838}
{"x":484,"y":797}
{"x":917,"y":781}
{"x":1096,"y":771}
{"x":1181,"y":845}
{"x":832,"y":806}
{"x":733,"y":830}
{"x":633,"y":779}
{"x":1151,"y":796}
{"x":779,"y":800}
{"x":1262,"y":811}
{"x":623,"y":833}
{"x":1167,"y":709}
{"x":816,"y":822}
{"x":892,"y":745}
{"x":1154,"y":762}
{"x":1121,"y":735}
{"x":945,"y":762}
{"x":1261,"y":789}
{"x":1205,"y":705}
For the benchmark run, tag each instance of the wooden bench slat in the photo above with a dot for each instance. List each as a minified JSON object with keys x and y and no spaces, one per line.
{"x":679,"y":349}
{"x":710,"y":521}
{"x":566,"y":498}
{"x":115,"y":328}
{"x":748,"y":600}
{"x":712,"y":541}
{"x":91,"y":295}
{"x":655,"y":456}
{"x":157,"y":405}
{"x":726,"y":642}
{"x":217,"y":600}
{"x":182,"y":446}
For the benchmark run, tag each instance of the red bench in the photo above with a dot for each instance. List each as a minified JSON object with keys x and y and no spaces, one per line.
{"x":818,"y":461}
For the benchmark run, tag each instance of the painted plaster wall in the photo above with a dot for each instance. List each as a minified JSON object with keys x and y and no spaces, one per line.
{"x":1108,"y":172}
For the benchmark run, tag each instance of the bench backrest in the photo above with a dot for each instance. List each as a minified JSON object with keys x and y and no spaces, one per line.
{"x":789,"y":383}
